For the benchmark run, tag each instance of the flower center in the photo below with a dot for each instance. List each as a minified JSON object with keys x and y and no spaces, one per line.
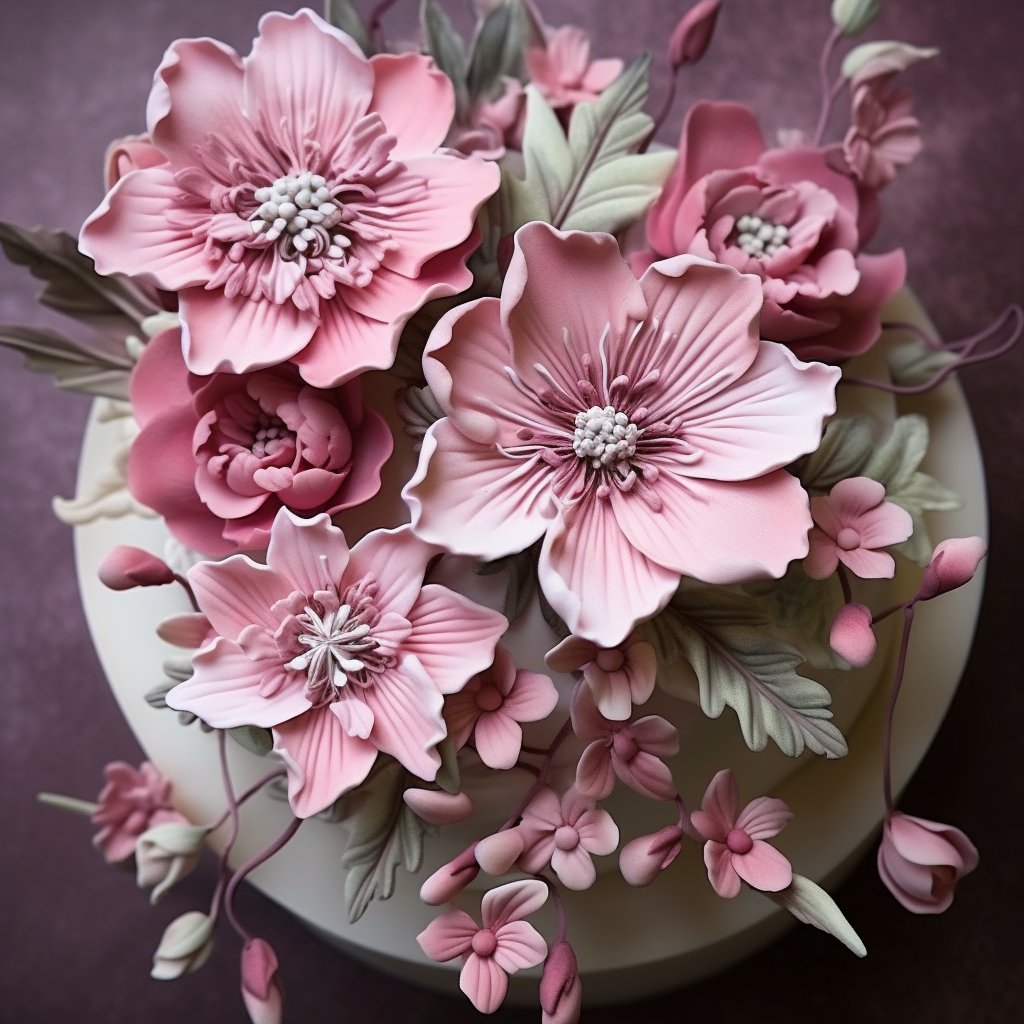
{"x":848,"y":538}
{"x":567,"y":838}
{"x":484,"y":942}
{"x":298,"y":212}
{"x":605,"y":437}
{"x":738,"y":841}
{"x":270,"y":434}
{"x":759,"y":237}
{"x":625,"y":745}
{"x":489,"y":698}
{"x":611,"y":659}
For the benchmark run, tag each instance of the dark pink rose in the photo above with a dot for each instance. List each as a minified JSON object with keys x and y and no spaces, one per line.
{"x":218,"y":456}
{"x":784,"y":215}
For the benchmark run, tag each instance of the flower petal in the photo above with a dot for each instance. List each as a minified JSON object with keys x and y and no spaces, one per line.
{"x":648,"y":775}
{"x":595,"y":776}
{"x":484,"y":982}
{"x":763,"y":868}
{"x":574,"y":868}
{"x":397,"y":560}
{"x":721,"y":873}
{"x":498,"y":739}
{"x":310,"y":553}
{"x":238,"y":593}
{"x":520,"y":946}
{"x":764,"y":817}
{"x":512,"y":902}
{"x":448,"y":936}
{"x":532,"y":698}
{"x":419,"y":127}
{"x":721,"y":799}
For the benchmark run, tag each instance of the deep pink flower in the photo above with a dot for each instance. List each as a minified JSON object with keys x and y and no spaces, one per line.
{"x":492,"y":704}
{"x":618,"y":677}
{"x":851,"y":523}
{"x":564,"y":833}
{"x":563,"y":71}
{"x":125,"y":567}
{"x":638,"y":427}
{"x":784,"y":215}
{"x":735,"y":846}
{"x":340,"y":653}
{"x":303,"y":210}
{"x":502,"y":945}
{"x":921,"y":861}
{"x":218,"y":456}
{"x":954,"y":563}
{"x":633,"y":751}
{"x":132,"y":802}
{"x":883,"y":136}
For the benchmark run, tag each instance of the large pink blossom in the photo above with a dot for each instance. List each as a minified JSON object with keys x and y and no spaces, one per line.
{"x":302,"y":209}
{"x":340,"y":653}
{"x":638,"y":427}
{"x":503,"y":944}
{"x":787,"y":217}
{"x":218,"y":456}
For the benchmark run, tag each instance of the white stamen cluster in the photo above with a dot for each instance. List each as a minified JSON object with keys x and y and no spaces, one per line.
{"x":270,"y":433}
{"x":604,"y":437}
{"x":337,"y":648}
{"x":300,"y":212}
{"x":759,"y":237}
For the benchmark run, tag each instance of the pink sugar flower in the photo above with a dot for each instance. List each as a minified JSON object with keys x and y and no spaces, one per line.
{"x":503,"y":944}
{"x":639,"y":427}
{"x":618,"y":677}
{"x":884,"y":136}
{"x":563,"y":71}
{"x":633,"y":751}
{"x":954,"y":563}
{"x":491,"y":705}
{"x":921,"y":861}
{"x":132,"y":802}
{"x":851,"y":523}
{"x":851,"y":635}
{"x":564,"y":833}
{"x":735,"y":846}
{"x":301,"y":207}
{"x":340,"y":653}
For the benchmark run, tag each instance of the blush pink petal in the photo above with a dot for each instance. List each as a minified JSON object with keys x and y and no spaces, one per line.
{"x":764,"y":817}
{"x":344,"y":345}
{"x":483,"y":982}
{"x":721,"y":870}
{"x":237,"y":593}
{"x":307,"y":552}
{"x":532,"y":697}
{"x":648,"y":775}
{"x":719,"y":806}
{"x":572,"y":653}
{"x":763,"y":868}
{"x":656,"y":736}
{"x":574,"y":868}
{"x":595,"y":776}
{"x":598,"y":832}
{"x":851,"y":635}
{"x":323,"y":760}
{"x":520,"y":946}
{"x":854,"y":496}
{"x":418,"y":127}
{"x":869,"y":565}
{"x":398,"y":560}
{"x":448,"y":936}
{"x":512,"y":902}
{"x":887,"y":524}
{"x":498,"y":739}
{"x":611,"y":691}
{"x":822,"y":556}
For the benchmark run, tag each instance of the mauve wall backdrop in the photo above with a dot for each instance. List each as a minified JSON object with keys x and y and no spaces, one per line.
{"x":78,"y":937}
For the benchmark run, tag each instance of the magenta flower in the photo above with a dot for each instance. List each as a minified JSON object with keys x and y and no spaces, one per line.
{"x":339,"y":653}
{"x":884,"y":136}
{"x":492,"y":704}
{"x":851,"y":523}
{"x":564,"y":833}
{"x":218,"y":456}
{"x":633,"y":751}
{"x":302,"y":208}
{"x":921,"y":861}
{"x":785,"y":216}
{"x":735,"y":846}
{"x":618,"y":677}
{"x":503,"y":944}
{"x":132,"y":802}
{"x":563,"y":71}
{"x":638,"y":427}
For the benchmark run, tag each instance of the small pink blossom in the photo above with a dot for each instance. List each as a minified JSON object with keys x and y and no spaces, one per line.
{"x":884,"y":136}
{"x":125,"y":567}
{"x":132,"y":801}
{"x":954,"y":563}
{"x":491,"y":705}
{"x":643,"y":859}
{"x":564,"y":833}
{"x":303,"y":209}
{"x":851,"y":523}
{"x":563,"y":71}
{"x":921,"y":861}
{"x":261,"y":988}
{"x":503,"y":944}
{"x":492,"y":125}
{"x":561,"y":991}
{"x":340,"y":653}
{"x":735,"y":847}
{"x":633,"y":751}
{"x":851,"y":635}
{"x":618,"y":677}
{"x":690,"y":38}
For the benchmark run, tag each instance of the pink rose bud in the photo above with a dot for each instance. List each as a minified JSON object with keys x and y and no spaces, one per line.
{"x":497,"y":853}
{"x":261,"y":991}
{"x":449,"y":880}
{"x":954,"y":563}
{"x":693,"y":33}
{"x":561,"y":991}
{"x":438,"y":807}
{"x":642,"y":860}
{"x":851,"y":636}
{"x":125,"y":567}
{"x":921,"y":861}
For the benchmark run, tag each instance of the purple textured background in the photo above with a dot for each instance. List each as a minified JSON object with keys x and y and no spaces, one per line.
{"x":78,"y":937}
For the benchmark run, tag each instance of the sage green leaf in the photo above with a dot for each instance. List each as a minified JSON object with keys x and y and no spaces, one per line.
{"x":844,"y":450}
{"x":809,"y":903}
{"x":448,"y":774}
{"x":98,"y":368}
{"x":497,"y":50}
{"x":341,"y":14}
{"x":257,"y":741}
{"x":914,"y":363}
{"x":386,"y":834}
{"x":72,"y":285}
{"x":522,"y":578}
{"x":445,"y":45}
{"x":551,"y":617}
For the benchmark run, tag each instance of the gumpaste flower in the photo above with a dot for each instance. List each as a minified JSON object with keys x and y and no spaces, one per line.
{"x":302,"y":210}
{"x":491,"y":706}
{"x":503,"y":944}
{"x":851,"y":523}
{"x":340,"y":653}
{"x":884,"y":135}
{"x":218,"y":456}
{"x":638,"y":427}
{"x":563,"y":71}
{"x":735,"y":846}
{"x":784,"y":215}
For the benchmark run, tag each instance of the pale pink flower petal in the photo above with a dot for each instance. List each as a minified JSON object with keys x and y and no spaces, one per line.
{"x":238,"y":592}
{"x":763,"y":868}
{"x":302,"y":550}
{"x":572,"y":653}
{"x":648,"y":775}
{"x":532,"y":698}
{"x":483,"y":982}
{"x":437,"y":806}
{"x":512,"y":902}
{"x":498,"y":852}
{"x":643,"y":859}
{"x":721,"y":870}
{"x":520,"y":946}
{"x":448,"y":936}
{"x":131,"y":802}
{"x":656,"y":735}
{"x":498,"y":738}
{"x":764,"y":817}
{"x":450,"y":879}
{"x":718,"y":808}
{"x":419,"y":127}
{"x":574,"y":868}
{"x":595,"y":776}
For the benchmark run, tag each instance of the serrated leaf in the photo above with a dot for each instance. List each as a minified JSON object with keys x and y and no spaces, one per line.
{"x":72,"y":285}
{"x":93,"y":369}
{"x":386,"y":834}
{"x":257,"y":741}
{"x":445,"y":45}
{"x":809,"y":903}
{"x":341,"y":14}
{"x":914,"y":363}
{"x":497,"y":50}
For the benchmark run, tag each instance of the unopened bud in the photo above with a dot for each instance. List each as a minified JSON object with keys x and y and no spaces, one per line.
{"x":165,"y":854}
{"x":851,"y":17}
{"x":691,"y":36}
{"x":851,"y":636}
{"x":126,"y":567}
{"x":185,"y":946}
{"x":954,"y":563}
